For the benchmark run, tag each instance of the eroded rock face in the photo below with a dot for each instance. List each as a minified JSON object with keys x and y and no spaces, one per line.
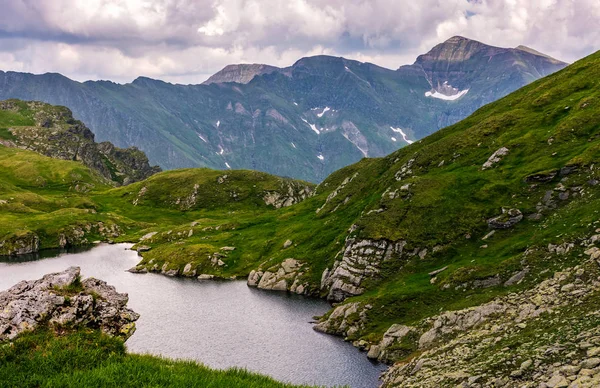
{"x":20,"y":244}
{"x":62,"y":299}
{"x":288,"y":196}
{"x":345,"y":320}
{"x":286,"y":276}
{"x":361,"y":259}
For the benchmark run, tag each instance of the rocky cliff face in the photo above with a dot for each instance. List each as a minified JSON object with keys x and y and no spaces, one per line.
{"x":286,"y":276}
{"x":63,"y":299}
{"x":240,"y":73}
{"x":55,"y":133}
{"x":360,"y":260}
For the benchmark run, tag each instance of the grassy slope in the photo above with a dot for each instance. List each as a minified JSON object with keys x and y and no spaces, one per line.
{"x":548,"y":125}
{"x":91,"y":359}
{"x":45,"y":195}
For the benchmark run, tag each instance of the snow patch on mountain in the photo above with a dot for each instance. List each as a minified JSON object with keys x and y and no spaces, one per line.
{"x":228,"y":166}
{"x":441,"y":96}
{"x":324,"y":111}
{"x":321,"y":157}
{"x":401,"y":132}
{"x":293,"y":145}
{"x":446,"y":92}
{"x":393,"y":138}
{"x":312,"y":126}
{"x":218,"y":123}
{"x":201,"y":137}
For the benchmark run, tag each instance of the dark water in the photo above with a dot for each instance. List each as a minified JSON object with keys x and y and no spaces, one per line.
{"x":221,"y":324}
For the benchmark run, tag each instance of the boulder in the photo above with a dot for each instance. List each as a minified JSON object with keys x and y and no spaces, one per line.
{"x":20,"y":244}
{"x":506,"y":220}
{"x":148,"y":236}
{"x":495,"y":158}
{"x":143,"y":248}
{"x":285,"y":276}
{"x":62,"y":299}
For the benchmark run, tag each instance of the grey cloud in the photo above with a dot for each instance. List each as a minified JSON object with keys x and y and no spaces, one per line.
{"x":186,"y":40}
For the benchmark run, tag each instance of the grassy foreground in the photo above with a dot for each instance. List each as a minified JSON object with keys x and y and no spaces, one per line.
{"x":87,"y":358}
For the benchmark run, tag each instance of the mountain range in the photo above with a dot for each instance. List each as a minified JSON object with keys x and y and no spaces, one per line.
{"x":304,"y":121}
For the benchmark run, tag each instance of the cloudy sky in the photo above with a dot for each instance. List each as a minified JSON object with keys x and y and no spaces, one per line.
{"x":186,"y":41}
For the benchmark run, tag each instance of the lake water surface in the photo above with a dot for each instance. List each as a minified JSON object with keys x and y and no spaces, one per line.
{"x":221,"y":324}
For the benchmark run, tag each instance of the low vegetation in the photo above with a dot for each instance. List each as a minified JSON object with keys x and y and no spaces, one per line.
{"x":87,"y":358}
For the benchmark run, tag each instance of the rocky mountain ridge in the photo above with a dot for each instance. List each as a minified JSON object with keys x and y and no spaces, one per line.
{"x":52,"y":131}
{"x":242,"y":73}
{"x":304,"y":121}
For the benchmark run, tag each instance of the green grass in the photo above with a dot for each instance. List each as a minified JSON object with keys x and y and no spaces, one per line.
{"x":90,"y":359}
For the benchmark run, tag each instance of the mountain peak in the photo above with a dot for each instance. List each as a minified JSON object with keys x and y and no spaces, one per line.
{"x":455,"y":49}
{"x":240,"y":73}
{"x":458,"y":39}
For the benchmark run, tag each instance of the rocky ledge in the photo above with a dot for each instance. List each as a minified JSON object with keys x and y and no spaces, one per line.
{"x":63,"y":299}
{"x":286,"y":276}
{"x":360,"y":259}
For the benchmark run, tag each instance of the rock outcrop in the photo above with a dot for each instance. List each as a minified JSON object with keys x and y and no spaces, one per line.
{"x":507,"y":219}
{"x":19,"y":244}
{"x":58,"y":135}
{"x":495,"y":158}
{"x":361,"y":259}
{"x":345,"y":320}
{"x":293,"y":194}
{"x":63,"y":299}
{"x":286,"y":276}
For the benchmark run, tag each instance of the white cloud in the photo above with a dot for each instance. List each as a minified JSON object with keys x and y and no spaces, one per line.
{"x":186,"y":40}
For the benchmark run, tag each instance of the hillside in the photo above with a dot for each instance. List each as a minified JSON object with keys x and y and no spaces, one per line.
{"x":305,"y":121}
{"x":60,"y":200}
{"x":52,"y":131}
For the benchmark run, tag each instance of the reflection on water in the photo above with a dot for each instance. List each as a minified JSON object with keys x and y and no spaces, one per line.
{"x":44,"y":254}
{"x":219,"y":323}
